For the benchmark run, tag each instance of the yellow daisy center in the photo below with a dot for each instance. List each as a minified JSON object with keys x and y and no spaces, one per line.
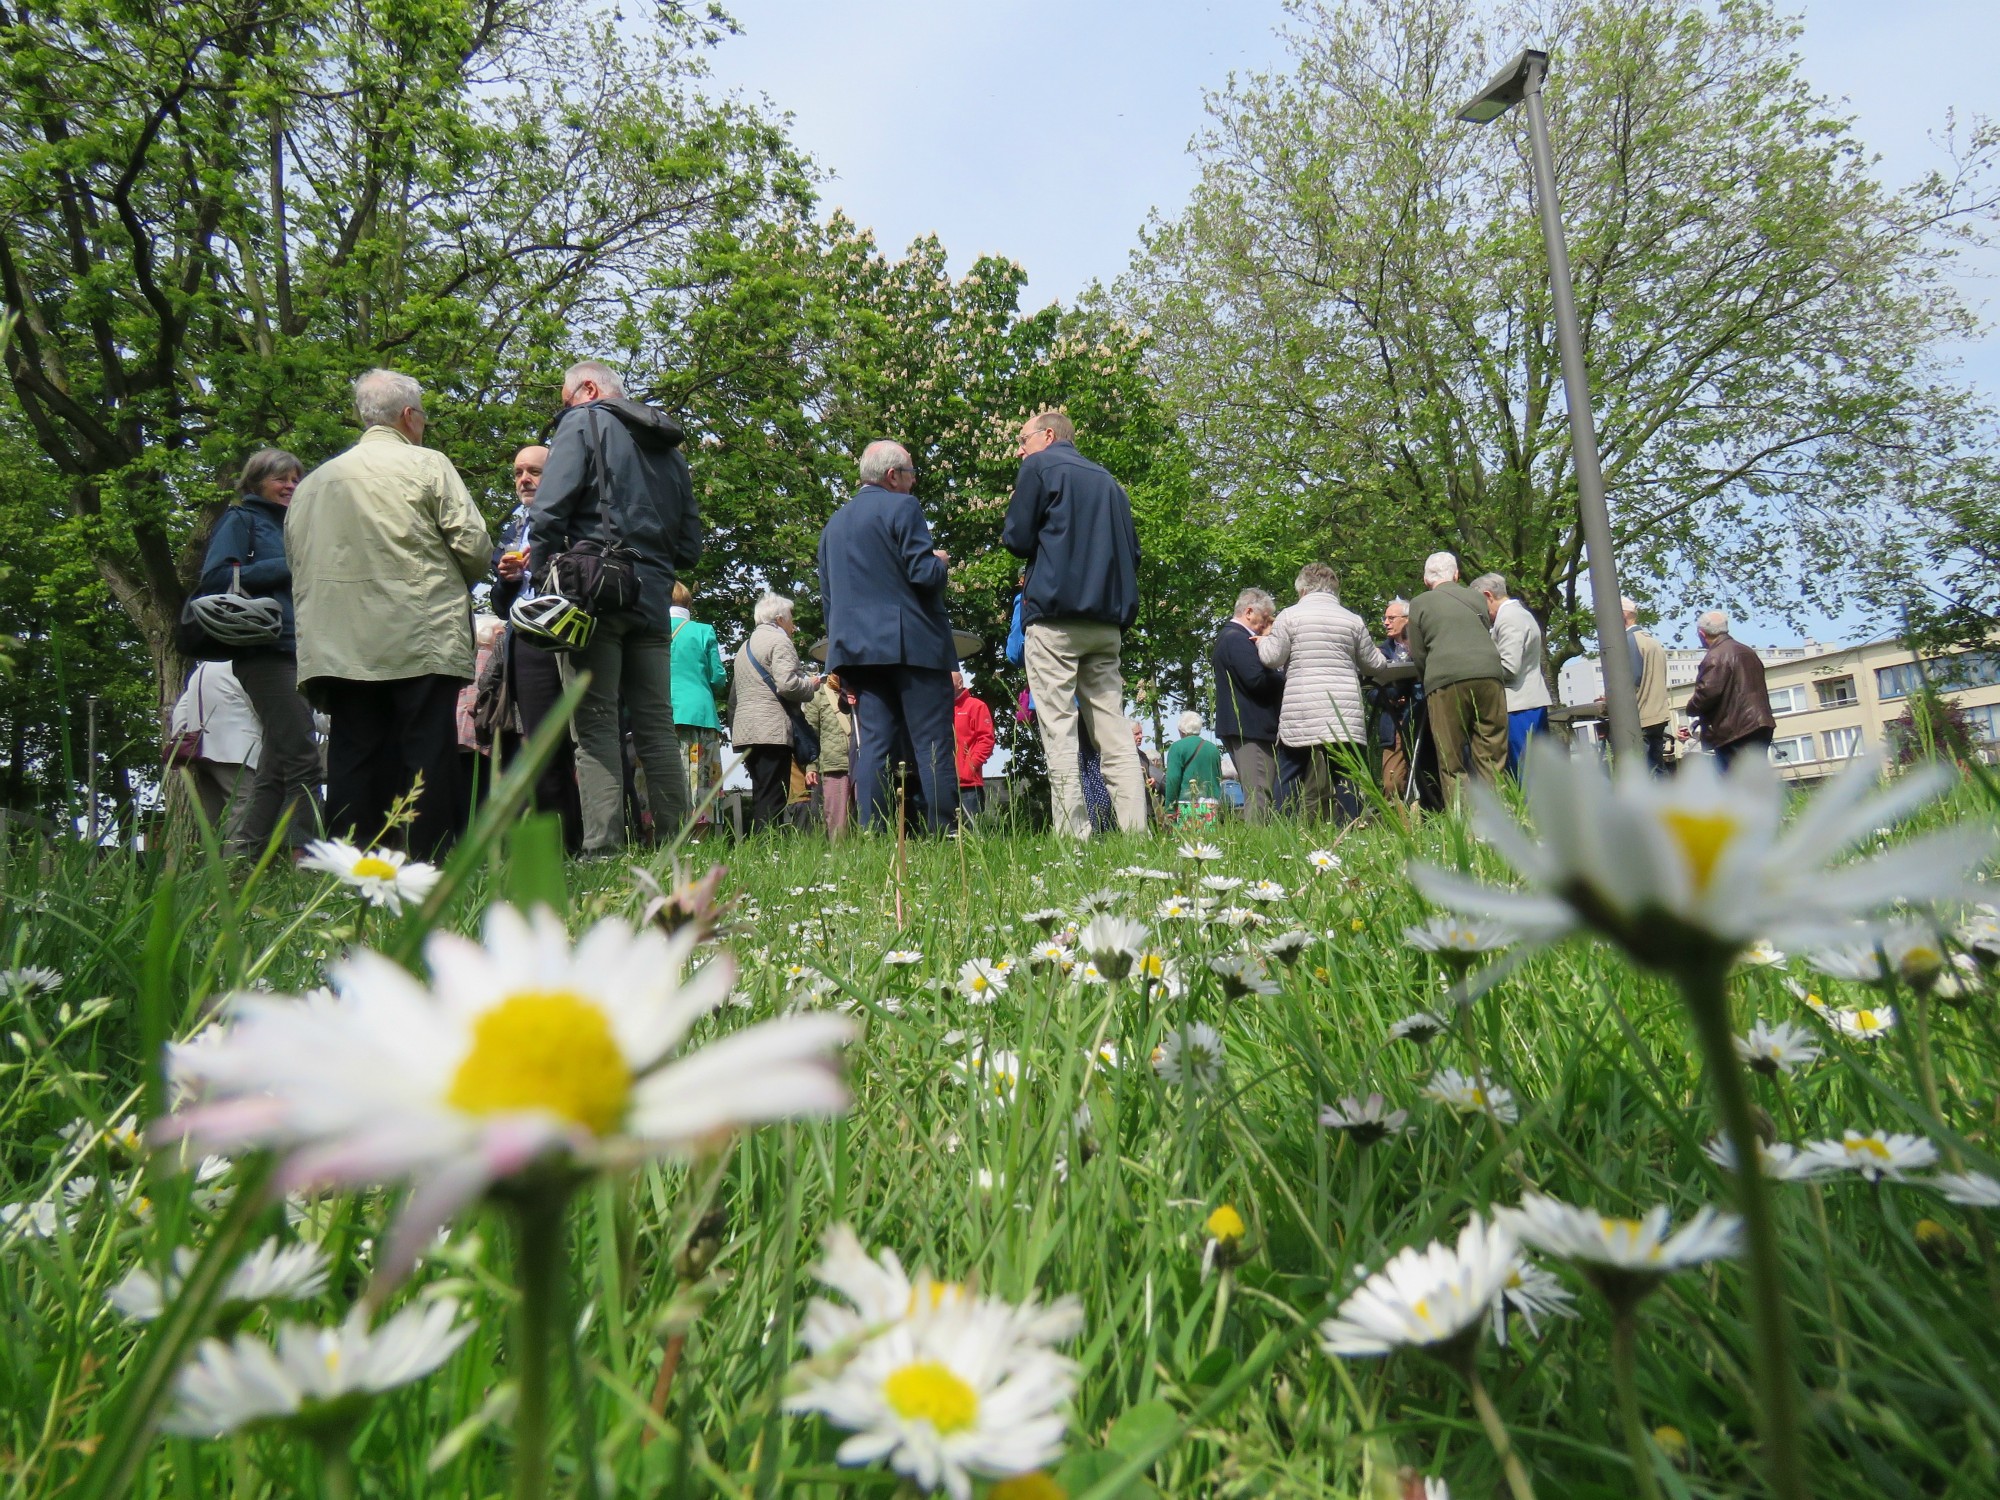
{"x":1421,"y":1309}
{"x":1226,"y":1223}
{"x":1871,"y":1146}
{"x":1033,"y":1486}
{"x":373,"y":867}
{"x":1702,"y":838}
{"x":930,"y":1392}
{"x":545,"y":1049}
{"x":1865,"y":1020}
{"x":937,"y":1293}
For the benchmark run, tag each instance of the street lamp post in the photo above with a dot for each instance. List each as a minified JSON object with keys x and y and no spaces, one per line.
{"x":1522,"y":79}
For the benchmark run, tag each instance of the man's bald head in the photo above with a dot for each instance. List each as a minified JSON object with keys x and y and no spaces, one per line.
{"x":528,"y":466}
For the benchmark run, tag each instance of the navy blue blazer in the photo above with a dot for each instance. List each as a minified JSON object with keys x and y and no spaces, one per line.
{"x":1247,"y":693}
{"x":882,"y":587}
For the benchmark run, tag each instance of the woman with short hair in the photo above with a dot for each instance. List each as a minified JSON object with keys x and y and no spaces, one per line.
{"x":698,"y":672}
{"x":759,"y":726}
{"x":1194,"y":773}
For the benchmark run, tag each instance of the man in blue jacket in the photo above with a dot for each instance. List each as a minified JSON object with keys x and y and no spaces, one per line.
{"x":1072,"y":522}
{"x":881,"y":585}
{"x":1247,"y":698}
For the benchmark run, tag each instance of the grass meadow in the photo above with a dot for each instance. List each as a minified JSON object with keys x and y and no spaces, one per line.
{"x":1062,"y":1163}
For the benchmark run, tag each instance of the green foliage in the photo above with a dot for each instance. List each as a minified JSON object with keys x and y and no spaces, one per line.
{"x":1353,"y":319}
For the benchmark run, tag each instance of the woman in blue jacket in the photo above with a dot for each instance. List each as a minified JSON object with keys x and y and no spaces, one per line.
{"x":251,"y":536}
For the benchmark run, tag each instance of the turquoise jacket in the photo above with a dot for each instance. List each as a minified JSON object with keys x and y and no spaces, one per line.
{"x":698,"y":672}
{"x":1194,"y":769}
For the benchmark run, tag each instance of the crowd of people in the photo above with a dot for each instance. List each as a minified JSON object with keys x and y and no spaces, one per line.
{"x":351,"y":590}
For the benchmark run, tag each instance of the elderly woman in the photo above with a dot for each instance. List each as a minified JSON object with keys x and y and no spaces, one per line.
{"x":249,"y":541}
{"x":1194,"y":772}
{"x":767,"y":678}
{"x":1322,"y":723}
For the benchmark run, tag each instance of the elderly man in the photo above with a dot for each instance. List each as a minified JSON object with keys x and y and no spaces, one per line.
{"x":1247,"y":697}
{"x":1729,"y":697}
{"x":1392,"y":702}
{"x":1451,"y":642}
{"x":887,"y":637}
{"x":1517,"y":636}
{"x":534,"y":676}
{"x":616,"y":475}
{"x":1073,"y":523}
{"x":384,"y":544}
{"x":1323,"y":725}
{"x":1649,"y":677}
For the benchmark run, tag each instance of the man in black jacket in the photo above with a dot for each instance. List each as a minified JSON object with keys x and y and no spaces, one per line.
{"x":1072,"y":522}
{"x":1247,"y":697}
{"x":616,"y":474}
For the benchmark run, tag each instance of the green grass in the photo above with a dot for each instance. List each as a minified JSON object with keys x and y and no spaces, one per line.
{"x":1897,"y":1347}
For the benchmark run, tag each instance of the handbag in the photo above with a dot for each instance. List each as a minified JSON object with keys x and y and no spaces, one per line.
{"x":600,"y":578}
{"x":184,"y":745}
{"x":493,"y":695}
{"x":805,"y":739}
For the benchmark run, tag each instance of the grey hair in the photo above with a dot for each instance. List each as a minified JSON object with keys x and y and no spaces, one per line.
{"x":1399,"y":602}
{"x":382,"y":396}
{"x":771,"y":609}
{"x":1316,"y":578}
{"x":1439,"y":567}
{"x":1490,"y":583}
{"x":1190,"y":723}
{"x":1714,"y":622}
{"x":882,"y":458}
{"x":267,"y":463}
{"x":1626,"y":606}
{"x":598,"y":373}
{"x":1256,"y":599}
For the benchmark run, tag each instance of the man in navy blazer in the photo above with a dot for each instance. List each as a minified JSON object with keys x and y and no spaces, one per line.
{"x":1247,"y":698}
{"x":882,"y":584}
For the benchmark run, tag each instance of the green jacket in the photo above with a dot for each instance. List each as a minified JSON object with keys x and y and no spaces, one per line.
{"x":1450,"y":637}
{"x":1194,"y":769}
{"x":822,"y":711}
{"x":384,"y":544}
{"x":698,"y":672}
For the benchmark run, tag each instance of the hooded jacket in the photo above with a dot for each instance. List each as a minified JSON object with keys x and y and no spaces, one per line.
{"x":1073,"y":523}
{"x":616,"y":474}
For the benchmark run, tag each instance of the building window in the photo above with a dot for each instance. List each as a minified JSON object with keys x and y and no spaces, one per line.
{"x":1984,"y":722}
{"x":1788,"y":700}
{"x":1842,"y":744}
{"x":1948,"y":674}
{"x":1836,"y":692}
{"x":1796,"y":751}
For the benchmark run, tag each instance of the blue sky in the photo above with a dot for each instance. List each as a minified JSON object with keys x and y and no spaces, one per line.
{"x":1048,"y":133}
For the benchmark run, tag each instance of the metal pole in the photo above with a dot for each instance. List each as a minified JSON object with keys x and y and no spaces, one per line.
{"x":90,"y":772}
{"x":1621,"y":696}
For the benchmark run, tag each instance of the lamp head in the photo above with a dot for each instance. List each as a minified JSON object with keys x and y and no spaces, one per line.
{"x":1508,"y":88}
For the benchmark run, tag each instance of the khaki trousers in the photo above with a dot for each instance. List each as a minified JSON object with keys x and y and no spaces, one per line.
{"x":1469,"y":724}
{"x":1072,"y":671}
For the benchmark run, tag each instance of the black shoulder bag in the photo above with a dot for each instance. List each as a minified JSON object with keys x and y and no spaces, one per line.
{"x":601,"y":578}
{"x":805,"y":739}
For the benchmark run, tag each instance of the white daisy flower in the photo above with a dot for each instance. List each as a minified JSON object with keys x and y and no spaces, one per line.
{"x":1097,"y":901}
{"x":1418,"y":1027}
{"x":1240,"y":917}
{"x":1761,"y":955}
{"x":1533,"y":1293}
{"x":1200,"y":852}
{"x":1781,"y":1162}
{"x":1003,"y":966}
{"x":981,"y":981}
{"x":1433,"y":1298}
{"x":1288,"y":947}
{"x":1158,"y":973}
{"x":1910,"y":952}
{"x":384,"y":877}
{"x":1141,"y":872}
{"x":34,"y":1221}
{"x":1458,"y":940}
{"x":1191,"y":1054}
{"x":1175,"y":909}
{"x":1973,"y":1189}
{"x":1111,"y":942}
{"x":1265,"y":890}
{"x":231,"y":1386}
{"x":1468,"y":1095}
{"x":1873,"y":1154}
{"x":1365,"y":1121}
{"x":273,"y":1272}
{"x":1962,"y":980}
{"x":1051,"y":955}
{"x":1774,"y":1049}
{"x":1694,"y":868}
{"x":1979,"y":934}
{"x":519,"y":1049}
{"x":122,"y":1133}
{"x":30,"y":980}
{"x":1221,"y":884}
{"x":945,"y":1397}
{"x":1323,"y":860}
{"x":1242,"y":974}
{"x":900,"y":957}
{"x":1863,"y":1025}
{"x":1624,"y":1258}
{"x":1226,"y":1233}
{"x":1049,"y":918}
{"x":996,"y":1075}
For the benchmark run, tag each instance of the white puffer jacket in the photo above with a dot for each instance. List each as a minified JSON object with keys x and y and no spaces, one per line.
{"x":1324,"y":648}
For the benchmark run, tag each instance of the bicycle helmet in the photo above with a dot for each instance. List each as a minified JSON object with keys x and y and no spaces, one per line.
{"x":551,"y":622}
{"x":238,"y":619}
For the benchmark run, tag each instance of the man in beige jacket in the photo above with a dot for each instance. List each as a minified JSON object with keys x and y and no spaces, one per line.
{"x":384,"y":544}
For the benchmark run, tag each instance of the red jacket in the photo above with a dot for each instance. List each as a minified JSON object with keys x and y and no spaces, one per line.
{"x":972,"y":727}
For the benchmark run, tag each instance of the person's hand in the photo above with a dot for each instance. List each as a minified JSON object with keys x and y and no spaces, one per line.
{"x":511,"y":565}
{"x":1683,"y":734}
{"x":812,"y":777}
{"x":940,"y":554}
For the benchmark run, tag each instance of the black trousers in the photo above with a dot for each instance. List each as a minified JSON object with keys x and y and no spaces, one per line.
{"x":770,"y":768}
{"x":1758,"y":740}
{"x":909,"y":707}
{"x":1656,"y":748}
{"x":537,"y":680}
{"x":385,"y":735}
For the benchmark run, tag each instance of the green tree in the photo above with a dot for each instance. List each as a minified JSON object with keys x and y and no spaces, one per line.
{"x":1353,"y":325}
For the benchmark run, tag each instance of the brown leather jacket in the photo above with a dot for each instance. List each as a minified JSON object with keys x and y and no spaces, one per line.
{"x":1729,"y":695}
